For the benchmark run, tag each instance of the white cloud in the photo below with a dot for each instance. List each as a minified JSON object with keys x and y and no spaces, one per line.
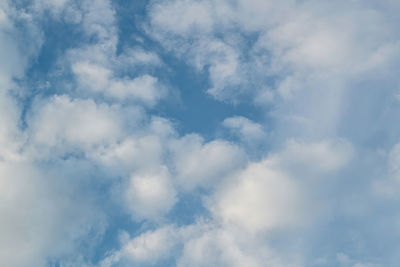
{"x":144,"y":88}
{"x":150,"y":195}
{"x":151,"y":246}
{"x":91,"y":76}
{"x":215,"y":247}
{"x":141,"y":150}
{"x":276,"y":192}
{"x":40,"y":220}
{"x":183,"y":16}
{"x":199,"y":244}
{"x":147,"y":248}
{"x":17,"y":30}
{"x":289,"y":50}
{"x":99,"y":21}
{"x":74,"y":123}
{"x":55,"y":6}
{"x":98,"y":68}
{"x":246,"y":207}
{"x":315,"y":159}
{"x":193,"y":40}
{"x":246,"y":129}
{"x":131,"y":154}
{"x":304,"y":59}
{"x":204,"y":164}
{"x":260,"y":199}
{"x":99,"y":79}
{"x":138,"y":56}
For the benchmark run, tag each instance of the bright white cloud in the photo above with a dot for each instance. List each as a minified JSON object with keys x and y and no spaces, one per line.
{"x":260,"y":199}
{"x":203,"y":164}
{"x":150,"y":195}
{"x":75,"y":123}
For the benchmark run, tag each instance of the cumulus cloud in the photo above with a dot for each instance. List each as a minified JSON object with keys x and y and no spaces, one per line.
{"x":149,"y":196}
{"x":201,"y":244}
{"x":203,"y":164}
{"x":62,"y":121}
{"x":99,"y":79}
{"x":251,"y":204}
{"x":261,"y":199}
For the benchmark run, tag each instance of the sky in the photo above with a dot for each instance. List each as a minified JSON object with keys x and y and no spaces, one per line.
{"x":229,"y":133}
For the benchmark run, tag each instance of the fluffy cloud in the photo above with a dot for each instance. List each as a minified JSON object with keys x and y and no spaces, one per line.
{"x":246,"y":129}
{"x":199,"y":164}
{"x":260,"y":199}
{"x":210,"y":245}
{"x":150,"y":195}
{"x":147,"y":248}
{"x":99,"y":79}
{"x":201,"y":244}
{"x":40,"y":220}
{"x":147,"y":245}
{"x":131,"y":154}
{"x":276,"y":192}
{"x":66,"y":122}
{"x":249,"y":206}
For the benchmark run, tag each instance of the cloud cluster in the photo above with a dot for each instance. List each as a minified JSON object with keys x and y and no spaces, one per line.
{"x":97,"y":152}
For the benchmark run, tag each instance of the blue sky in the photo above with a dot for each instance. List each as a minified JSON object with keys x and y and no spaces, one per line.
{"x":199,"y":133}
